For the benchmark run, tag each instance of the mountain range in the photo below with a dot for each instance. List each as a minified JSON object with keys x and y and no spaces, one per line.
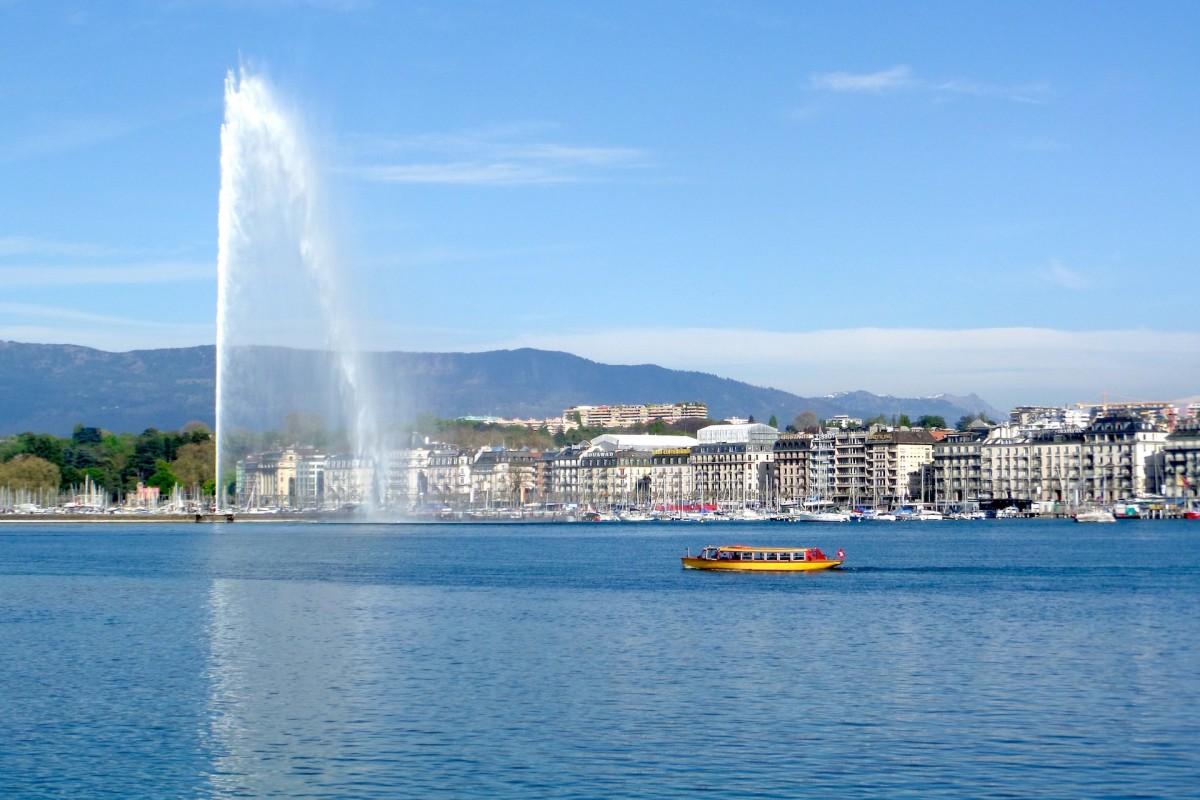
{"x":52,"y":387}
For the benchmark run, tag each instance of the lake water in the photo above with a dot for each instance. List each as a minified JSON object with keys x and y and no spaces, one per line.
{"x":976,"y":659}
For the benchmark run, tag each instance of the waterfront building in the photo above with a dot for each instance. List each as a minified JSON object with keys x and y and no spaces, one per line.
{"x":501,"y":477}
{"x":1056,"y":466}
{"x":732,"y":463}
{"x":448,"y":472}
{"x":407,"y":474}
{"x":671,"y":481}
{"x":564,"y":474}
{"x":851,"y":472}
{"x":1181,"y":462}
{"x":958,"y":467}
{"x":1120,"y":456}
{"x":843,"y":421}
{"x":733,"y":473}
{"x":821,"y":467}
{"x":543,"y":476}
{"x":596,"y":468}
{"x":895,"y":459}
{"x":631,"y":477}
{"x":290,"y":478}
{"x":791,"y":467}
{"x":347,"y":480}
{"x":1004,"y":461}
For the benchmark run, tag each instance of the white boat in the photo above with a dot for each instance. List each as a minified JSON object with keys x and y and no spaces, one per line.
{"x":821,"y":516}
{"x":1095,"y":515}
{"x":929,"y":515}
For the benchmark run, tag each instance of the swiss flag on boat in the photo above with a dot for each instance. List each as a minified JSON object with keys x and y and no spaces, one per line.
{"x":841,"y":554}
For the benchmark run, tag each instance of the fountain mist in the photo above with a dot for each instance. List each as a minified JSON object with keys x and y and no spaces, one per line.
{"x":279,"y":285}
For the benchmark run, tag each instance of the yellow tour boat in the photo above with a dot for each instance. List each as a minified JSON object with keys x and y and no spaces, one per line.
{"x":744,"y":558}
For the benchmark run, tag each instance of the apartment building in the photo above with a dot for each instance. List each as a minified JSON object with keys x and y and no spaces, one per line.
{"x":1120,"y":457}
{"x":1181,"y":462}
{"x":957,"y":468}
{"x":628,"y":415}
{"x":791,"y":467}
{"x":671,"y":481}
{"x":732,"y":463}
{"x":895,"y":461}
{"x":501,"y":477}
{"x":852,"y":475}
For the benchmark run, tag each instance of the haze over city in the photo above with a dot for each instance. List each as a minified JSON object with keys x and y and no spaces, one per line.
{"x":937,"y":199}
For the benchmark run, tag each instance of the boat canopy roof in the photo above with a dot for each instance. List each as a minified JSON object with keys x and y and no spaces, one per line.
{"x":727,"y":548}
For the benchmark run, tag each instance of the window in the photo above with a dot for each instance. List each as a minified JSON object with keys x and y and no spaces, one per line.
{"x":758,"y":556}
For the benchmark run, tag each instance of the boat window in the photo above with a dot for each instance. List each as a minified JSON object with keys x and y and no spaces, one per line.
{"x":770,"y":556}
{"x":785,"y":556}
{"x":798,"y":555}
{"x":758,"y":556}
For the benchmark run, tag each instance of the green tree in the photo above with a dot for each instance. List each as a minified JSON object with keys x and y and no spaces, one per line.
{"x":84,"y":435}
{"x":41,"y":445}
{"x":27,"y":471}
{"x":774,"y":423}
{"x":70,"y":476}
{"x":194,"y":463}
{"x":163,"y":478}
{"x":931,"y":421}
{"x":905,"y":422}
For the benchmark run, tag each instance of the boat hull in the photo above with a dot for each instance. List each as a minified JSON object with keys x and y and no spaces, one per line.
{"x":757,"y":566}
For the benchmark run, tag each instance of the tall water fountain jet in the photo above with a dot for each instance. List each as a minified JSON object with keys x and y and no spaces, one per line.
{"x":287,"y":347}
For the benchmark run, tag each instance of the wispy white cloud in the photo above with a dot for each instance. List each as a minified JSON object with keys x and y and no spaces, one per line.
{"x":500,"y":156}
{"x":44,"y":136}
{"x":68,"y":134}
{"x":32,"y":322}
{"x":38,"y":311}
{"x":1033,"y":92}
{"x":32,"y":246}
{"x":463,"y":173}
{"x":1005,"y":365}
{"x":897,"y":77}
{"x":12,"y":275}
{"x":1062,"y":276}
{"x":903,"y":77}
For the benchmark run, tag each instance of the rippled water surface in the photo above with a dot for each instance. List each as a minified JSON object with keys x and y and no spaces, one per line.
{"x":981,"y":659}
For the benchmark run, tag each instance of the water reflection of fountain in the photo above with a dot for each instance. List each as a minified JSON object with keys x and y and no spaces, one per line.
{"x":279,"y":283}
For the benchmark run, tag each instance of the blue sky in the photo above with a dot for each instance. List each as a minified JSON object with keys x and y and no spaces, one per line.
{"x":943,"y":198}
